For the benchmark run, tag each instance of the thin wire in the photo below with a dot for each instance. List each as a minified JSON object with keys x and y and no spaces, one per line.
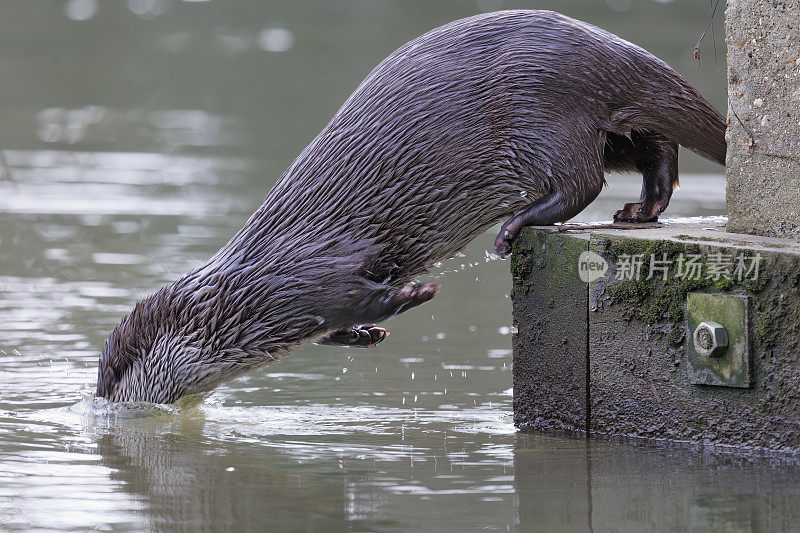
{"x":703,"y":35}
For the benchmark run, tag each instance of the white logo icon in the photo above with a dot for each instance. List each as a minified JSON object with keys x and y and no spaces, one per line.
{"x":591,"y":267}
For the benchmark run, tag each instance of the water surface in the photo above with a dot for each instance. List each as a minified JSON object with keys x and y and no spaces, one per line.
{"x":136,"y":139}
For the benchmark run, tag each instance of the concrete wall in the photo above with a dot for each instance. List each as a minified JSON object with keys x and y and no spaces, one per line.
{"x":763,"y":165}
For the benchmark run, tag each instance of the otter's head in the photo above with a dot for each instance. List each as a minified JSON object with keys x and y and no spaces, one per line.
{"x":187,"y":338}
{"x":156,"y":353}
{"x":210,"y":326}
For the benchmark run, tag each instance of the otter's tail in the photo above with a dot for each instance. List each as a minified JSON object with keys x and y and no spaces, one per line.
{"x":668,"y":105}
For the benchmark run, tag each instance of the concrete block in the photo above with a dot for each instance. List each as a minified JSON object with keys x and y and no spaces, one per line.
{"x":550,"y":315}
{"x":639,"y":380}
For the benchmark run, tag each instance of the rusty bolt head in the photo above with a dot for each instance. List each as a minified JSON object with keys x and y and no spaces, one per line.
{"x":710,"y":339}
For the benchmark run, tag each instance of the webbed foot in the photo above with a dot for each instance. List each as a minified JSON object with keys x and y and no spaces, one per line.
{"x":639,"y":212}
{"x":366,"y":336}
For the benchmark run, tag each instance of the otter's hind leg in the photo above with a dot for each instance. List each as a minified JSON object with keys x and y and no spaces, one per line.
{"x":558,"y":205}
{"x":379,"y":303}
{"x":656,"y":157}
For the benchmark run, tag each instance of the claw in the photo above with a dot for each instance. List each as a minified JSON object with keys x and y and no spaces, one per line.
{"x":358,"y":336}
{"x":369,"y":336}
{"x":636,"y":212}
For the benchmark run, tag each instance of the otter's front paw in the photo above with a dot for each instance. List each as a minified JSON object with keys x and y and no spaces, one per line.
{"x":502,"y":243}
{"x":508,"y":232}
{"x":357,"y":336}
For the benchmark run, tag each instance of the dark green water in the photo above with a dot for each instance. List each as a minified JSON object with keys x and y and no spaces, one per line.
{"x":134,"y":143}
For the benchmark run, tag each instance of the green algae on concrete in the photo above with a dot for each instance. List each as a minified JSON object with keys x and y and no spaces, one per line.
{"x":521,"y":265}
{"x":732,"y":369}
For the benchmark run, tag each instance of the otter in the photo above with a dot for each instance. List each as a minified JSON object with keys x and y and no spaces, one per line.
{"x":507,"y":114}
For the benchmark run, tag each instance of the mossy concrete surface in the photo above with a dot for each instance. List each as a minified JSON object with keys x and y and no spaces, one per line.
{"x":636,"y":337}
{"x":763,"y":161}
{"x":731,"y":366}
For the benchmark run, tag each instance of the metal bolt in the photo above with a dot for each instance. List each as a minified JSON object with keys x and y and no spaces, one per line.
{"x":710,"y":339}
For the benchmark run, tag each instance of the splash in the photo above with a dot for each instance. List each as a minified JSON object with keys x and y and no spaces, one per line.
{"x":95,"y":407}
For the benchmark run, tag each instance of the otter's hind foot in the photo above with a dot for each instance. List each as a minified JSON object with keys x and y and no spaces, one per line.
{"x":357,"y":336}
{"x":638,"y":212}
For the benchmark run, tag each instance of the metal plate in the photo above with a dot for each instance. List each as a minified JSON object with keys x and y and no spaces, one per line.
{"x":733,"y":368}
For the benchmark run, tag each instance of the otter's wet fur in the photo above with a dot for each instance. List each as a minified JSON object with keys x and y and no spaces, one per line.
{"x":512,"y":113}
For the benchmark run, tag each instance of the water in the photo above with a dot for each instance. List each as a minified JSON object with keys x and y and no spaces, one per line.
{"x":136,"y":139}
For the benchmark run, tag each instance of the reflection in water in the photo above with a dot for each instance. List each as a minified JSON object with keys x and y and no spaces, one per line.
{"x":314,"y":467}
{"x":137,"y":137}
{"x":237,"y":485}
{"x":215,"y":466}
{"x":171,"y":127}
{"x":586,"y":486}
